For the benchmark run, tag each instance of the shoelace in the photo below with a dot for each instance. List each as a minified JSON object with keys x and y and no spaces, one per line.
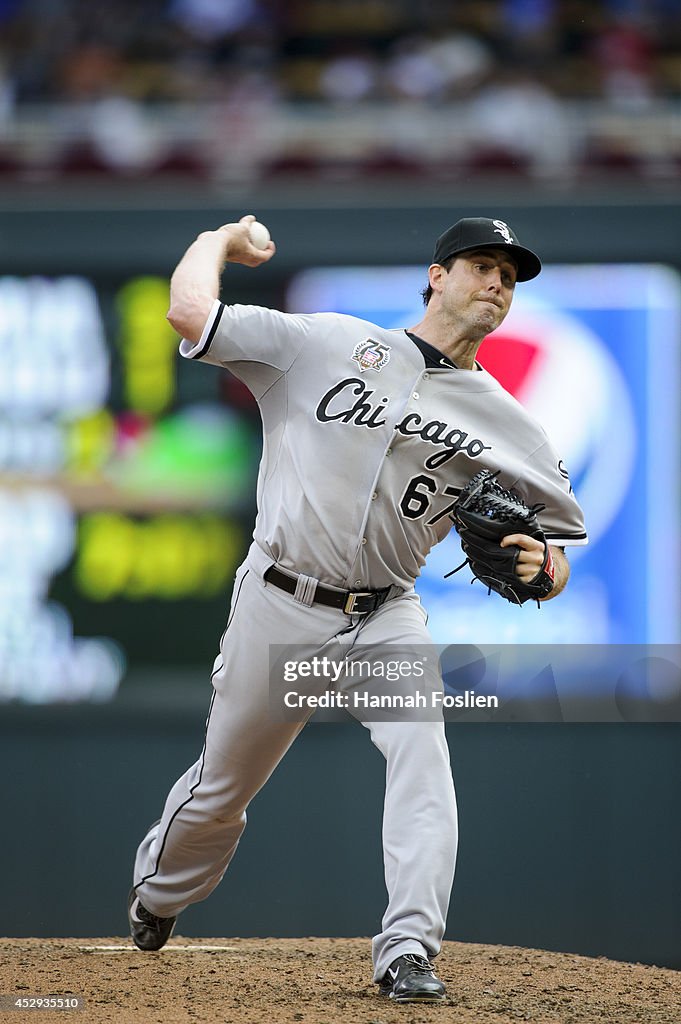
{"x":420,"y":963}
{"x":150,"y":919}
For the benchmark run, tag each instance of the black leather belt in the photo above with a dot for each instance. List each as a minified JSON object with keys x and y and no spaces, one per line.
{"x":352,"y":602}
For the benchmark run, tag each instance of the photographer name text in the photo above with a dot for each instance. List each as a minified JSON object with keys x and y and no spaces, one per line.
{"x":358,"y":700}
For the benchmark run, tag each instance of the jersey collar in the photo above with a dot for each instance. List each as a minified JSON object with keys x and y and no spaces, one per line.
{"x":432,"y":356}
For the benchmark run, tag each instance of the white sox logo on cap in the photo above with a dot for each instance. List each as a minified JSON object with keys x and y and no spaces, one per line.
{"x":472,"y":233}
{"x":500,"y":228}
{"x":371,"y":355}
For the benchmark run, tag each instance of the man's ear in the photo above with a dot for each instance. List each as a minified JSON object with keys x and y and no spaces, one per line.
{"x":436,"y":276}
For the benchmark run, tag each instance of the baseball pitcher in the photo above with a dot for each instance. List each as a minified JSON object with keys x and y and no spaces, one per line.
{"x":376,"y":442}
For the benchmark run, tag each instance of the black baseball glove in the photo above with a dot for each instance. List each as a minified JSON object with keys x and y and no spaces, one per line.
{"x":484,"y":514}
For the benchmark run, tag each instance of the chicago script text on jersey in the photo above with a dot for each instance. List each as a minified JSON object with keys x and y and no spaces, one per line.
{"x":338,"y":405}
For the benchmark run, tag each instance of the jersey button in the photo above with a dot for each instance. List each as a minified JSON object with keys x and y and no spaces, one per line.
{"x":364,"y":540}
{"x":415,"y":395}
{"x":426,"y":376}
{"x":358,"y":583}
{"x":374,"y":496}
{"x":389,"y":451}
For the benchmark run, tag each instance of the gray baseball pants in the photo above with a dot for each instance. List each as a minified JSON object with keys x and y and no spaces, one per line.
{"x":183,"y":857}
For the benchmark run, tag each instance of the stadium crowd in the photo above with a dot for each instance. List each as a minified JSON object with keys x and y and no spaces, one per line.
{"x":234,"y":88}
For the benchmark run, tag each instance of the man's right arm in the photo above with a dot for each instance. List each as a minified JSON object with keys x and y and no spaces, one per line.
{"x":195,"y":284}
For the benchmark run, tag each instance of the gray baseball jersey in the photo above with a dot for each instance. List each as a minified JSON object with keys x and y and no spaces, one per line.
{"x":366,"y":447}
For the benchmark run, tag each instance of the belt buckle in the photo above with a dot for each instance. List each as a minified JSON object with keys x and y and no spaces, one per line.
{"x":351,"y":600}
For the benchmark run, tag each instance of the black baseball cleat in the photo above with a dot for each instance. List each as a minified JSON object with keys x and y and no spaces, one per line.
{"x":411,"y":979}
{"x":147,"y":930}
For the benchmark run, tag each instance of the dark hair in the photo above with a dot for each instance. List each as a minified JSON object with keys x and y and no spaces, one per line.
{"x":427,"y":292}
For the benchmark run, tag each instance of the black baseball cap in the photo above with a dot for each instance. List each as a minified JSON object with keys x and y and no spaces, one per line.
{"x":485,"y":233}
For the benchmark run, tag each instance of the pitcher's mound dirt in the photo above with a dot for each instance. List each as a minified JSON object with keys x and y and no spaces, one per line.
{"x":323,"y":981}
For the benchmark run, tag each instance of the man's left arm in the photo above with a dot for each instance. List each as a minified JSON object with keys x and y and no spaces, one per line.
{"x":531,"y":560}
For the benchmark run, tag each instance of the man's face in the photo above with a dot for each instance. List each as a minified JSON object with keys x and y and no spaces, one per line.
{"x":478,"y":289}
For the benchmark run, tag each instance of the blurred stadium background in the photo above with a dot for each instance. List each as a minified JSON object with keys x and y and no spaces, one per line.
{"x":356,"y":132}
{"x":548,"y":88}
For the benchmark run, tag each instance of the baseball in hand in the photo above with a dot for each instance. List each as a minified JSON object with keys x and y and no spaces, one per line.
{"x":260,"y":236}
